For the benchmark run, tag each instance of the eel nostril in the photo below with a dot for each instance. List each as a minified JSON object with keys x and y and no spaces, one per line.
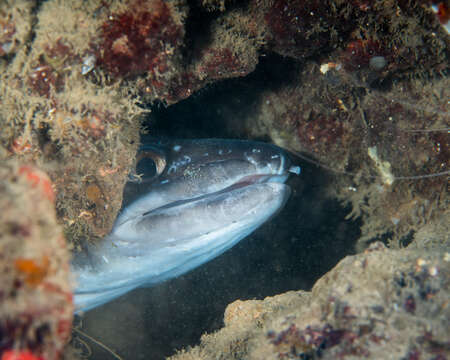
{"x":295,"y":170}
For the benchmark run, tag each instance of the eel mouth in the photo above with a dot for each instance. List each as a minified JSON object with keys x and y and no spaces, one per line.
{"x":241,"y":183}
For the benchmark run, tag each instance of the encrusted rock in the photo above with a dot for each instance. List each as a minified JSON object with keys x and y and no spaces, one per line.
{"x":35,"y":296}
{"x":378,"y":304}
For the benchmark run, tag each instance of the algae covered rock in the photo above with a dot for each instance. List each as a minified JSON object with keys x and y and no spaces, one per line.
{"x":82,"y":134}
{"x":35,"y":297}
{"x":379,"y":304}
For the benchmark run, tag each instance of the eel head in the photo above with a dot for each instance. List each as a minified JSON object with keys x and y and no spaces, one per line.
{"x":201,"y":197}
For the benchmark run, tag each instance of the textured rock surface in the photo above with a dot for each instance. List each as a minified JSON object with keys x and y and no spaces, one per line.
{"x":381,"y":138}
{"x":81,"y":133}
{"x":35,"y":296}
{"x":379,"y":304}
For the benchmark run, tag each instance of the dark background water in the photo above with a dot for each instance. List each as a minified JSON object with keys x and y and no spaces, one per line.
{"x":305,"y":240}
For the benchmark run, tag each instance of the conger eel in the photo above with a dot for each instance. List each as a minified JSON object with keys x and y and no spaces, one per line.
{"x":204,"y":197}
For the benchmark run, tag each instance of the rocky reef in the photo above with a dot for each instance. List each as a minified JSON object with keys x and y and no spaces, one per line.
{"x":36,"y":297}
{"x":359,"y":88}
{"x":389,"y":304}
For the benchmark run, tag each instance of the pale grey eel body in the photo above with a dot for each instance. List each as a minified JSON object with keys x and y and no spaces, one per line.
{"x":205,"y":196}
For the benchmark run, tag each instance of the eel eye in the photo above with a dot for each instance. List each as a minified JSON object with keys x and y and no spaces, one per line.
{"x":150,"y":164}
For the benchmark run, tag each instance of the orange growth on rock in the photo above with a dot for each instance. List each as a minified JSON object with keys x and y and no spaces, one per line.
{"x":33,"y":272}
{"x":38,"y":178}
{"x":20,"y":355}
{"x":20,"y":145}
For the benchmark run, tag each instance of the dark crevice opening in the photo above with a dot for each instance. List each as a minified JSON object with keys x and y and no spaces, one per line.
{"x":290,"y":252}
{"x":207,"y":112}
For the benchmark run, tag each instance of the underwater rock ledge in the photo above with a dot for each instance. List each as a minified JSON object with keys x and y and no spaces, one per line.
{"x":380,"y":304}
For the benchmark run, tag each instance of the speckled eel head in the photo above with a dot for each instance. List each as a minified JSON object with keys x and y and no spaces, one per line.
{"x":203,"y":196}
